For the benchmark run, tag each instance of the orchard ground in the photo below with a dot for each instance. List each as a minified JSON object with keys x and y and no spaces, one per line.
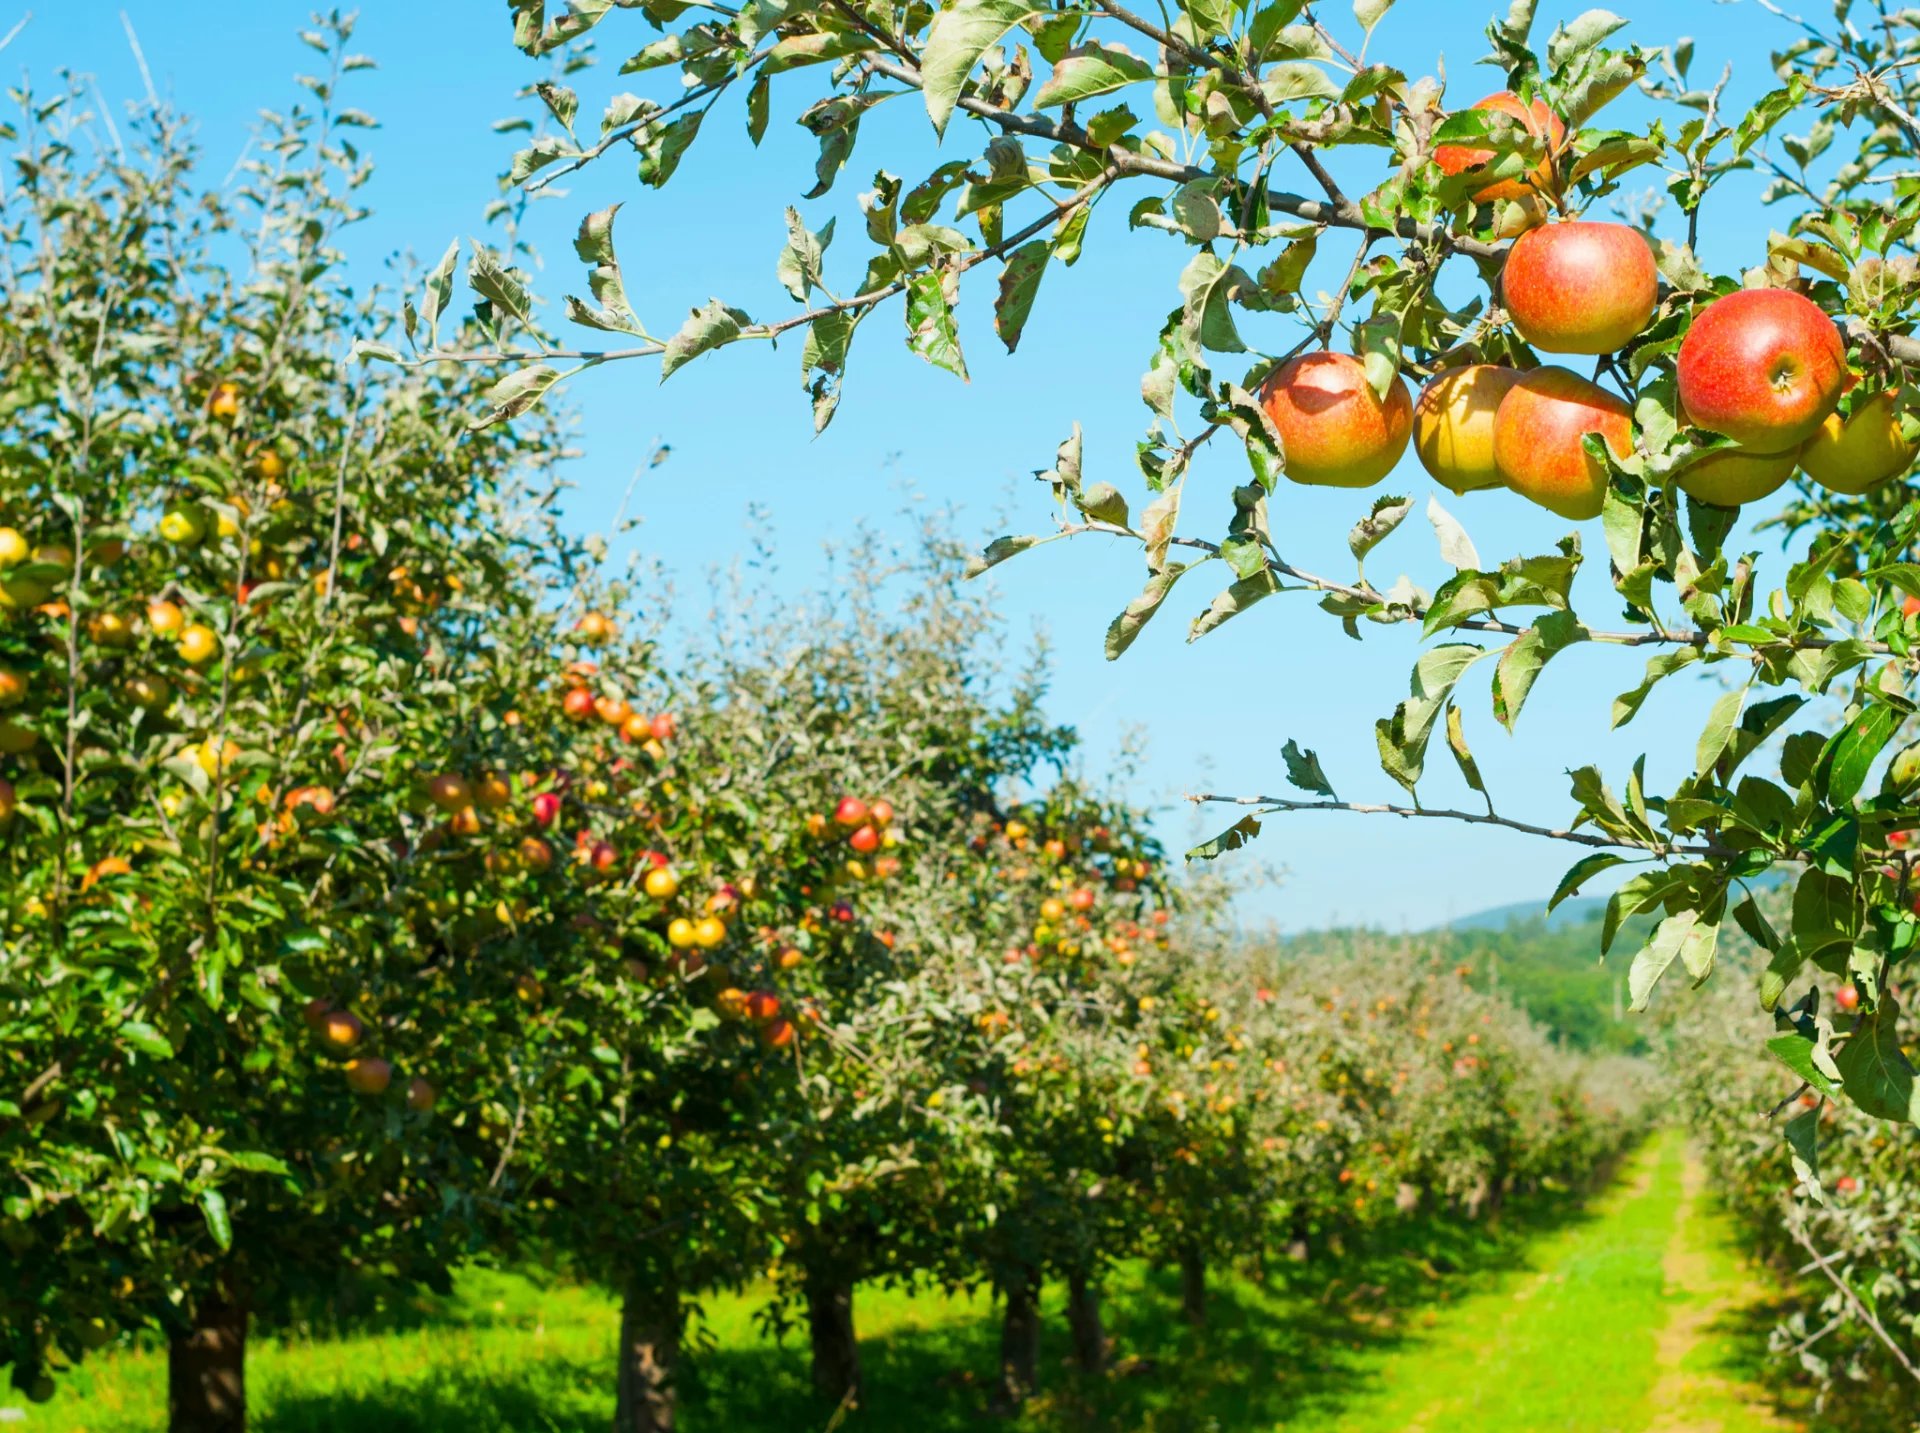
{"x":1626,"y":1311}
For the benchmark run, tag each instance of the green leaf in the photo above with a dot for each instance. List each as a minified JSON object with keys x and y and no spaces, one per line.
{"x":144,"y":1038}
{"x":1207,"y":284}
{"x":213,"y":1205}
{"x":439,"y":290}
{"x":1800,"y":1055}
{"x":1855,"y":750}
{"x":1304,"y":770}
{"x":1803,"y":1138}
{"x":594,"y":246}
{"x":960,"y":35}
{"x":1231,"y":839}
{"x":1019,"y":285}
{"x":1684,"y":936}
{"x":799,"y":266}
{"x":1237,"y":598}
{"x":998,"y":551}
{"x":1382,"y":518}
{"x":1523,"y":660}
{"x":1462,"y":755}
{"x":1456,"y":548}
{"x":499,"y":286}
{"x":1772,"y":107}
{"x":1660,"y":666}
{"x":516,"y":393}
{"x":1718,"y":730}
{"x":931,"y":330}
{"x":1130,"y":623}
{"x":1873,"y":1069}
{"x":1402,"y":738}
{"x":1582,"y":871}
{"x":705,"y":330}
{"x":1369,"y":12}
{"x":1088,"y":70}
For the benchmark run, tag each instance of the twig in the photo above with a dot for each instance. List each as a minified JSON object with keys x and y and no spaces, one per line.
{"x":1821,"y":1262}
{"x":1477,"y":818}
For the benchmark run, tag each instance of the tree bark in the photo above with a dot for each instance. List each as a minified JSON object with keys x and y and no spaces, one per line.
{"x":1193,"y":1286}
{"x":650,"y":1320}
{"x":207,"y":1370}
{"x":1020,"y":1338}
{"x":836,"y":1351}
{"x":1083,"y":1317}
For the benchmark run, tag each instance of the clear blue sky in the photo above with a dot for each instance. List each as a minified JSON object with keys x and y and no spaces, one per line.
{"x":1214,"y":714}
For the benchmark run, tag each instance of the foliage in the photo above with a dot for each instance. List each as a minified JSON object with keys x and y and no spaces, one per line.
{"x":1063,"y":109}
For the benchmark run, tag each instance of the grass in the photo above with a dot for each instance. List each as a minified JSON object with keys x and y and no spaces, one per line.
{"x":1620,"y":1315}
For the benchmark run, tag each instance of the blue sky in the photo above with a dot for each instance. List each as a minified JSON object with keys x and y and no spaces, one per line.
{"x":1214,"y":715}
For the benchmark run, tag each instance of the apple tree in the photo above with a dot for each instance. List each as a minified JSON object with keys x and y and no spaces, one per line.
{"x":1478,"y":263}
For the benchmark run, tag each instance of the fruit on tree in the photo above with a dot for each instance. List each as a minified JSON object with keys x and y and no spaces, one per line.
{"x":1733,"y":476}
{"x":681,"y":933}
{"x":1538,"y":119}
{"x":198,"y":644}
{"x":709,"y":931}
{"x":777,"y":1034}
{"x":420,"y":1095}
{"x":13,"y":687}
{"x":1847,"y":998}
{"x":594,"y":628}
{"x":663,"y":726}
{"x":881,"y":813}
{"x":369,"y":1076}
{"x":1762,"y":366}
{"x":851,"y":811}
{"x":1855,"y":454}
{"x":546,"y":808}
{"x":1538,"y":440}
{"x":164,"y":618}
{"x":535,"y":854}
{"x":224,"y":401}
{"x":1580,"y":286}
{"x":662,"y":883}
{"x":183,"y":525}
{"x":1335,"y":431}
{"x":577,"y":703}
{"x":866,"y":840}
{"x":1845,"y":1184}
{"x":342,"y":1029}
{"x":449,"y":792}
{"x":493,"y":791}
{"x":763,"y":1005}
{"x":148,"y":691}
{"x":1453,"y":425}
{"x":13,"y":547}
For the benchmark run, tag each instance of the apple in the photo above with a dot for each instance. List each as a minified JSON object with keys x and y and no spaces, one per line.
{"x":198,"y":644}
{"x":13,"y":687}
{"x":1537,"y":440}
{"x":535,"y":854}
{"x":449,"y":792}
{"x":1855,"y":454}
{"x":13,"y":547}
{"x":1081,"y":900}
{"x":1764,"y":367}
{"x":224,"y":401}
{"x":851,"y":811}
{"x":882,"y":813}
{"x":663,"y":726}
{"x":546,"y":808}
{"x":1734,"y":476}
{"x":1580,"y":287}
{"x":662,"y":883}
{"x":1334,"y":431}
{"x":1053,"y":910}
{"x":709,"y":931}
{"x":612,"y":710}
{"x":789,"y":957}
{"x":464,"y":822}
{"x":421,"y":1096}
{"x":164,"y":618}
{"x":681,"y":933}
{"x":866,"y":840}
{"x":493,"y":791}
{"x":110,"y":629}
{"x":578,"y":703}
{"x":1453,"y":425}
{"x":342,"y":1029}
{"x":182,"y":526}
{"x":1847,"y":998}
{"x":1539,"y":120}
{"x":763,"y":1005}
{"x":148,"y":691}
{"x":777,"y":1034}
{"x":1845,"y":1184}
{"x":369,"y":1076}
{"x":594,"y":628}
{"x":602,"y":856}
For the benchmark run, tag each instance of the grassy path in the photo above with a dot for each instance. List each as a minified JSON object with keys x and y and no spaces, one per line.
{"x":1620,"y":1317}
{"x":1626,"y":1320}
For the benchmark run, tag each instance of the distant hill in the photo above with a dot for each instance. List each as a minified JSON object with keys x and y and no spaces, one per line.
{"x":1576,"y":910}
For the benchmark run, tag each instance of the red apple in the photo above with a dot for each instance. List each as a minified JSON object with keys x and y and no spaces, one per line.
{"x":1762,"y":366}
{"x":546,"y":808}
{"x":578,"y":703}
{"x":663,"y":727}
{"x":1334,"y":431}
{"x":851,"y":811}
{"x":449,"y":792}
{"x":420,"y":1095}
{"x":369,"y":1076}
{"x":1537,"y":440}
{"x":1580,"y":287}
{"x":882,"y":814}
{"x":1845,"y":1184}
{"x":866,"y":840}
{"x":1538,"y":119}
{"x":1847,"y":997}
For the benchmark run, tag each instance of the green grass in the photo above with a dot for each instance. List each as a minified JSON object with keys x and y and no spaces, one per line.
{"x":1553,"y":1318}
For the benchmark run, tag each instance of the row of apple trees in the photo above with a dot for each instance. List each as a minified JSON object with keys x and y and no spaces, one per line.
{"x":388,"y":881}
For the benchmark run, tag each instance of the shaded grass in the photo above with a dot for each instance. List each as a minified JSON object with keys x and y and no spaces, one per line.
{"x":1543,"y":1319}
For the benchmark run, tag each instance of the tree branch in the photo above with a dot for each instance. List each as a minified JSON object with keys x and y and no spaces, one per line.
{"x":1821,"y":1262}
{"x":1476,"y":818}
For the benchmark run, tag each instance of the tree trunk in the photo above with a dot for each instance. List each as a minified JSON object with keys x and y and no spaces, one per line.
{"x":1020,"y":1338}
{"x":207,"y":1371}
{"x":649,"y":1353}
{"x":836,"y":1352}
{"x":1193,"y":1286}
{"x":1083,"y":1317}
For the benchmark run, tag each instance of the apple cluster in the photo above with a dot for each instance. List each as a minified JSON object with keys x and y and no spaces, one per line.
{"x":1762,"y":371}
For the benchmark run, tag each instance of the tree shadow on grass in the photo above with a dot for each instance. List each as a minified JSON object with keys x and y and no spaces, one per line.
{"x":1288,"y":1350}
